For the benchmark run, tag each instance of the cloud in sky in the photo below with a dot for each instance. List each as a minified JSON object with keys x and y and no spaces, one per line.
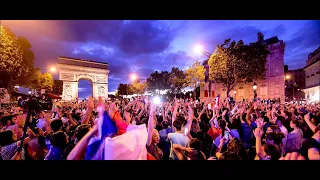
{"x":145,"y":46}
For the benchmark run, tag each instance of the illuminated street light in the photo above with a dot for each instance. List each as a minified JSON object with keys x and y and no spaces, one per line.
{"x":288,"y":76}
{"x":29,"y":92}
{"x":53,"y":69}
{"x":254,"y":90}
{"x":133,"y":77}
{"x":198,"y":49}
{"x":254,"y":86}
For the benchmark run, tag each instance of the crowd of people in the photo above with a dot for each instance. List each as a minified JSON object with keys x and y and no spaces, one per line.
{"x":180,"y":129}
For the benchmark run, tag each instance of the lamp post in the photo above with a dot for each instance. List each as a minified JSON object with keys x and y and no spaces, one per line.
{"x":254,"y":90}
{"x":288,"y":77}
{"x":199,"y":49}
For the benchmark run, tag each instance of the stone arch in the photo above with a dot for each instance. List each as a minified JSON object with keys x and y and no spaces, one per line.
{"x":72,"y":70}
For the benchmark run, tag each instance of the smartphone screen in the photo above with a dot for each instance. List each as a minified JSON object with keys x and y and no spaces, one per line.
{"x":226,"y":134}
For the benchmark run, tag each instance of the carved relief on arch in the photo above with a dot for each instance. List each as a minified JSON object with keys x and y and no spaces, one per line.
{"x":67,"y":76}
{"x":85,"y":76}
{"x":101,"y":91}
{"x":67,"y":90}
{"x":101,"y":79}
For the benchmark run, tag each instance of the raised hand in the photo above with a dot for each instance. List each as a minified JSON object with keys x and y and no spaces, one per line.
{"x":90,"y":103}
{"x":260,"y":122}
{"x":101,"y":105}
{"x":258,"y":132}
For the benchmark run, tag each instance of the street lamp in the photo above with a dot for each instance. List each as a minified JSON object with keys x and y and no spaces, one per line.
{"x":53,"y":69}
{"x":288,"y":76}
{"x":254,"y":90}
{"x":198,"y":49}
{"x":29,"y":92}
{"x":133,"y":77}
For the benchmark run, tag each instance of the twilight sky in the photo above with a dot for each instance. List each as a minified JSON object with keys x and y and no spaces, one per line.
{"x":145,"y":46}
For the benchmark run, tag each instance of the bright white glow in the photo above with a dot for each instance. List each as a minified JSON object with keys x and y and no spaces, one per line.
{"x":133,"y":77}
{"x":156,"y":100}
{"x":53,"y":69}
{"x":29,"y":92}
{"x":198,"y":49}
{"x":288,"y":76}
{"x":254,"y":87}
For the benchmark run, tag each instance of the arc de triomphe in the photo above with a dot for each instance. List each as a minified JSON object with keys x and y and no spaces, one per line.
{"x":72,"y":70}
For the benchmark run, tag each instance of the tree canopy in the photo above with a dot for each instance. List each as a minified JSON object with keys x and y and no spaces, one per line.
{"x":138,"y":87}
{"x":177,"y":80}
{"x":195,"y":74}
{"x":234,"y":62}
{"x":123,"y":89}
{"x":158,"y":81}
{"x":17,"y":63}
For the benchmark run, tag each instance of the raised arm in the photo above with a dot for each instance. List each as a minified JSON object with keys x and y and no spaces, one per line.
{"x":311,"y":126}
{"x":174,"y":114}
{"x":150,"y":124}
{"x":90,"y":106}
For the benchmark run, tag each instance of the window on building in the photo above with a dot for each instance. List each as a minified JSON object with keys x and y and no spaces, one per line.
{"x":241,"y":91}
{"x":205,"y":93}
{"x":263,"y":90}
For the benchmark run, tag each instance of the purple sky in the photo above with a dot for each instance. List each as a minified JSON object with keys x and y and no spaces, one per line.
{"x":145,"y":46}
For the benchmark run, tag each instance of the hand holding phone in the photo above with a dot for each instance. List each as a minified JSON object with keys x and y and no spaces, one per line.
{"x":226,"y":135}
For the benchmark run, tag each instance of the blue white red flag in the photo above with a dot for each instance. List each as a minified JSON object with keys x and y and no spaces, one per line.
{"x":106,"y":128}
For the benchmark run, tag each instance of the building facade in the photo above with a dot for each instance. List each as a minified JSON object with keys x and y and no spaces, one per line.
{"x":294,"y":85}
{"x":312,"y":77}
{"x":271,"y":87}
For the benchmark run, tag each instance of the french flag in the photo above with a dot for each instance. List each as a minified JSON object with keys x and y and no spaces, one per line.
{"x":218,"y":101}
{"x":117,"y":140}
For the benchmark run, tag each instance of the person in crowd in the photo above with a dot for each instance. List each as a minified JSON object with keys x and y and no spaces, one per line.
{"x":178,"y":129}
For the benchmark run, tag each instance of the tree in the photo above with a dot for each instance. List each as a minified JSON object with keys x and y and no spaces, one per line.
{"x":36,"y":79}
{"x":123,"y":89}
{"x":57,"y":87}
{"x":138,"y":87}
{"x":47,"y":81}
{"x":234,"y":62}
{"x":17,"y":60}
{"x":158,"y":81}
{"x":195,"y":75}
{"x":11,"y":58}
{"x":27,"y":61}
{"x":177,"y":79}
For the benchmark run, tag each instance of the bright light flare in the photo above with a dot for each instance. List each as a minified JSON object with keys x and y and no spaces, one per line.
{"x":198,"y":49}
{"x":53,"y":69}
{"x":156,"y":100}
{"x":288,"y":76}
{"x":133,"y":77}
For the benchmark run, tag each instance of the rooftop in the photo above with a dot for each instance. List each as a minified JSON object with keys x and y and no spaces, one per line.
{"x":272,"y":40}
{"x":82,"y":62}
